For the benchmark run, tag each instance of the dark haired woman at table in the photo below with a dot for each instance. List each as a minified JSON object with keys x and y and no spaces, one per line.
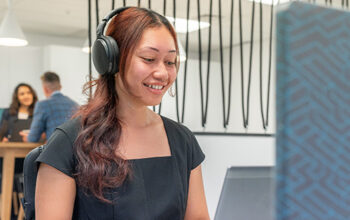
{"x":18,"y":116}
{"x":19,"y":113}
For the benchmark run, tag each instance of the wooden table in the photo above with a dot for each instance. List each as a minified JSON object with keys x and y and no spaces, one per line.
{"x":9,"y":151}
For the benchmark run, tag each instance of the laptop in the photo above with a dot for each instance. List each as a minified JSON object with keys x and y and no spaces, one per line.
{"x":18,"y":126}
{"x":313,"y":112}
{"x":247,"y":194}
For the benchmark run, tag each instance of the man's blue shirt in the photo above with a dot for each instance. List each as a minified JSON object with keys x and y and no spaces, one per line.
{"x":49,"y":114}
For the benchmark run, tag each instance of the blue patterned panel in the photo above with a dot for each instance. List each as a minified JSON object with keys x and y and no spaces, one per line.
{"x":313,"y":113}
{"x":1,"y":111}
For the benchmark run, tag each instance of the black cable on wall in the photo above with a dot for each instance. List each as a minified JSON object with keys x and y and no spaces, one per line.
{"x":246,"y":122}
{"x":97,"y":14}
{"x":176,"y":80}
{"x":230,"y":65}
{"x":149,"y":6}
{"x":89,"y":37}
{"x":186,"y":63}
{"x":200,"y":61}
{"x":260,"y":66}
{"x":266,"y":123}
{"x":164,"y":13}
{"x":222,"y":67}
{"x":242,"y":61}
{"x":208,"y":60}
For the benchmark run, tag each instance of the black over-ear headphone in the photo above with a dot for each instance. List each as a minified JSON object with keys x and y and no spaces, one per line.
{"x":105,"y":51}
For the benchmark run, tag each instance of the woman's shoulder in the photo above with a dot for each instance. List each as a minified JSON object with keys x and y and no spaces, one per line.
{"x":58,"y":151}
{"x":177,"y":129}
{"x":71,"y":128}
{"x":64,"y":136}
{"x":6,"y":110}
{"x":186,"y":147}
{"x":6,"y":113}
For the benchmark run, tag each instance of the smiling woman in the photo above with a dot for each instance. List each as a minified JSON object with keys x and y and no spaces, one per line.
{"x":17,"y":118}
{"x":19,"y":115}
{"x":151,"y":70}
{"x":116,"y":158}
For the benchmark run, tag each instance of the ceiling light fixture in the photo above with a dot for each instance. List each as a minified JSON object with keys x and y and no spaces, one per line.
{"x":181,"y":25}
{"x":10,"y":32}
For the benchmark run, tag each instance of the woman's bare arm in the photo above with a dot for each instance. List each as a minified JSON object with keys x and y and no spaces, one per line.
{"x":54,"y":194}
{"x":196,"y":204}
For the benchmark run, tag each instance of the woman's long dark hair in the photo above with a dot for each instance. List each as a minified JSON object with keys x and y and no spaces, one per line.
{"x":98,"y":166}
{"x":15,"y":104}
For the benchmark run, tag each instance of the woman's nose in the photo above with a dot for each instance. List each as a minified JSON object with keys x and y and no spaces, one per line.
{"x":161,"y":72}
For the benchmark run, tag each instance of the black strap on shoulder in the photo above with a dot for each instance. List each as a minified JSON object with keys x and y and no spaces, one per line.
{"x":30,"y":171}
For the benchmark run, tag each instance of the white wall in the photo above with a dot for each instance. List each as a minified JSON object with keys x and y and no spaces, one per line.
{"x":19,"y":65}
{"x":28,"y":63}
{"x":42,"y":40}
{"x":71,"y":63}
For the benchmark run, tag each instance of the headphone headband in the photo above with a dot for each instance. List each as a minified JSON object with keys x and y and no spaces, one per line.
{"x":102,"y":25}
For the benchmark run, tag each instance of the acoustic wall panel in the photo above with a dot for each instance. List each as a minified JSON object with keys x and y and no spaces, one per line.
{"x":313,"y":113}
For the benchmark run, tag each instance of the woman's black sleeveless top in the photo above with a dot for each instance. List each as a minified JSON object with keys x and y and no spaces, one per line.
{"x":158,"y":188}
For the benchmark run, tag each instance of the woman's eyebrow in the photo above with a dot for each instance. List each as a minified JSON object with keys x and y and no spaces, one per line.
{"x":155,"y":49}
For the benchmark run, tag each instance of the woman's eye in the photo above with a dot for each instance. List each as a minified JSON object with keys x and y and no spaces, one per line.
{"x":148,"y":59}
{"x":169,"y":63}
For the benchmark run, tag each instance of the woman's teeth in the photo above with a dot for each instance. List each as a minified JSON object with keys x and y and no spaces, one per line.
{"x":155,"y":86}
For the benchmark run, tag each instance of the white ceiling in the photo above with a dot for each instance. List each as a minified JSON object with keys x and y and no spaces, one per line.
{"x":69,"y":18}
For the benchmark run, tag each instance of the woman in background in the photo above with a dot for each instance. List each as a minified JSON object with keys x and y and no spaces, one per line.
{"x":20,"y":112}
{"x":18,"y":117}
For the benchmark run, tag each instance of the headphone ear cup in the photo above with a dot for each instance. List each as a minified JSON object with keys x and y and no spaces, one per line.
{"x":114,"y":54}
{"x":105,"y":55}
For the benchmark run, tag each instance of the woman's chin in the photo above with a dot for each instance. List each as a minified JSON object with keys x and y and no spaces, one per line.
{"x":153,"y":102}
{"x":26,"y":104}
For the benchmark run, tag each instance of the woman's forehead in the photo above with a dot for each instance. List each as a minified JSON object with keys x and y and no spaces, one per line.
{"x":157,"y":39}
{"x":23,"y":88}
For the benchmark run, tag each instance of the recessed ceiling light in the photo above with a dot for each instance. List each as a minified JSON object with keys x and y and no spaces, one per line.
{"x":181,"y":25}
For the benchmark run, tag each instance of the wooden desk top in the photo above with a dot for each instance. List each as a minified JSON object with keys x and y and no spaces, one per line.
{"x":9,"y":151}
{"x":18,"y":145}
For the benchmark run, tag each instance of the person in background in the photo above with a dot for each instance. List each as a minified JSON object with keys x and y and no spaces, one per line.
{"x":19,"y":113}
{"x":51,"y":112}
{"x":117,"y":159}
{"x":18,"y":117}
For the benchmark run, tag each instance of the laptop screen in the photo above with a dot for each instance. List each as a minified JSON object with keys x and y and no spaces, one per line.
{"x":247,"y":193}
{"x":19,"y":125}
